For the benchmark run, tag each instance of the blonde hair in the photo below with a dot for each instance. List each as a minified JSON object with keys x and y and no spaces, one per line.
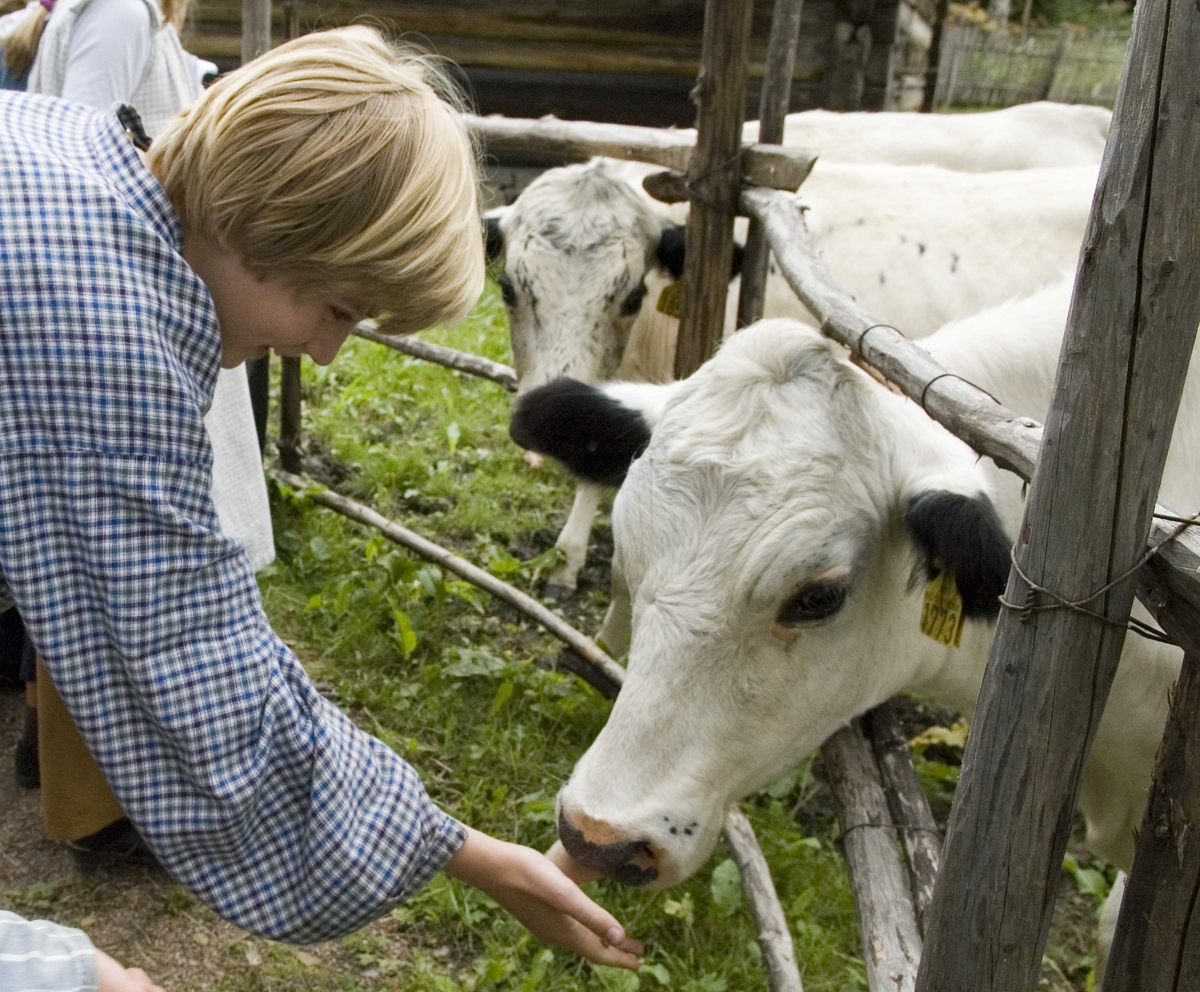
{"x":341,"y":162}
{"x":20,"y":47}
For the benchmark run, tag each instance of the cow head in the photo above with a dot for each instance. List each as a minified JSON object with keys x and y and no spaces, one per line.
{"x":578,"y":246}
{"x":776,"y":535}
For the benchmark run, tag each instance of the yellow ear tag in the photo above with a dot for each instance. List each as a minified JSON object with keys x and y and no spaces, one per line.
{"x":670,"y":300}
{"x":942,"y":612}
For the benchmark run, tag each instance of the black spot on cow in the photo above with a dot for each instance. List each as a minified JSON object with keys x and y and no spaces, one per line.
{"x":920,"y":248}
{"x":962,"y":535}
{"x":671,"y":252}
{"x":593,"y":435}
{"x":954,"y":261}
{"x":882,"y":279}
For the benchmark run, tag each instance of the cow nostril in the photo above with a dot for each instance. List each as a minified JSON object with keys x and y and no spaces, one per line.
{"x":631,"y":862}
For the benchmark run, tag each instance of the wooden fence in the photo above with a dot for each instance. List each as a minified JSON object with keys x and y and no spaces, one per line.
{"x":982,"y":68}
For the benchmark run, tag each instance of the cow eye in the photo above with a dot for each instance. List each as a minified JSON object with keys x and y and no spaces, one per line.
{"x":814,"y":602}
{"x":507,"y":291}
{"x":633,"y":302}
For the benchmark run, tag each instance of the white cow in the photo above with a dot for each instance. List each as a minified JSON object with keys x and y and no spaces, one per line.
{"x":588,"y":253}
{"x":1029,"y":136}
{"x":774,"y":538}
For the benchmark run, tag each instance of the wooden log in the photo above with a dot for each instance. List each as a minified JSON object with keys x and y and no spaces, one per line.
{"x":933,"y":67}
{"x":772,"y":110}
{"x":289,"y":413}
{"x":550,"y":141}
{"x":774,"y":938}
{"x":1156,"y":947}
{"x":1130,"y":334}
{"x":556,"y":625}
{"x":256,"y":28}
{"x":1012,"y":441}
{"x":713,"y":177}
{"x":451,"y":358}
{"x":908,"y":804}
{"x":891,"y":939}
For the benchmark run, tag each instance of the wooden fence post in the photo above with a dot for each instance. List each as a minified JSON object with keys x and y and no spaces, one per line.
{"x":1130,"y":334}
{"x":1157,"y":941}
{"x":934,"y":68}
{"x":290,"y":412}
{"x":256,"y":39}
{"x":772,"y":110}
{"x":720,"y":94}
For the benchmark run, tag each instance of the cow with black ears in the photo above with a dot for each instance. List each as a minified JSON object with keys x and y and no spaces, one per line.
{"x":588,"y":257}
{"x":782,"y":522}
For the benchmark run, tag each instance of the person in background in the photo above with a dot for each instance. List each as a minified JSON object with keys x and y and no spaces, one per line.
{"x":99,"y":53}
{"x":40,"y":956}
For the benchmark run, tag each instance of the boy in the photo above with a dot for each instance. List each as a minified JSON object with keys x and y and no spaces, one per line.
{"x":322,"y":182}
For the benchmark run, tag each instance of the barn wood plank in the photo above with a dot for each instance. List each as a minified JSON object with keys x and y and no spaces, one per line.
{"x":1130,"y":334}
{"x":1012,"y":441}
{"x":451,"y":358}
{"x":713,"y":175}
{"x":909,"y":806}
{"x":554,"y":142}
{"x":772,"y":111}
{"x":891,"y":939}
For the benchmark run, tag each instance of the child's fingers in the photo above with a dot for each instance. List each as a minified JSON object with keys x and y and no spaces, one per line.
{"x":564,"y":895}
{"x":587,"y":944}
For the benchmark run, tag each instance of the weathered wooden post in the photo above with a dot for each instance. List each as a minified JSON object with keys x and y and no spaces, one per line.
{"x":929,"y":101}
{"x":1129,"y":338}
{"x":256,"y":39}
{"x":720,"y":95}
{"x":1157,"y":943}
{"x":772,"y":109}
{"x":289,"y":372}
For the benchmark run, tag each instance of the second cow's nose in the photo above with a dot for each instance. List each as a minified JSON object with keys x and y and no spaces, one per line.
{"x":599,"y":846}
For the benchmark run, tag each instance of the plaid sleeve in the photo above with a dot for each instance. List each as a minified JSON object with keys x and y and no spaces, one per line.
{"x":252,"y":789}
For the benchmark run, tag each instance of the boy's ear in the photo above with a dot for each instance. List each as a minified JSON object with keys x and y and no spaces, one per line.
{"x":493,"y":237}
{"x":595,"y":431}
{"x":962,"y":535}
{"x":672,"y":251}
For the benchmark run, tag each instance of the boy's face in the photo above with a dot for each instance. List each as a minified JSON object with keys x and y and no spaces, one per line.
{"x":257,"y":311}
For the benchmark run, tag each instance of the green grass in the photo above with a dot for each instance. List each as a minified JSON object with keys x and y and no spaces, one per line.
{"x":459,"y":686}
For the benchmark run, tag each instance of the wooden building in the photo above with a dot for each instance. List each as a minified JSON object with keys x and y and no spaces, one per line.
{"x":629,"y":61}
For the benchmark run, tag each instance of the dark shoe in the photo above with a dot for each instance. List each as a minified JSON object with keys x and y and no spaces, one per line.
{"x":117,"y":844}
{"x":25,"y":760}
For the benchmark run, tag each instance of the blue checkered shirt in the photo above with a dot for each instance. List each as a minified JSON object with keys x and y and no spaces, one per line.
{"x":253,"y":790}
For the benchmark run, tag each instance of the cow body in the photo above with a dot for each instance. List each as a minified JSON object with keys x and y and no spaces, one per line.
{"x":1028,"y":136}
{"x":588,"y":254}
{"x":775,"y":539}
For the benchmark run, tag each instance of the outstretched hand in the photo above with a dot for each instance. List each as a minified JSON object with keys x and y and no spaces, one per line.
{"x":551,"y":906}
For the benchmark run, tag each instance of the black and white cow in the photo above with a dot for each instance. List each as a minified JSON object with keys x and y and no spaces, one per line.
{"x":587,"y":255}
{"x":779,"y":517}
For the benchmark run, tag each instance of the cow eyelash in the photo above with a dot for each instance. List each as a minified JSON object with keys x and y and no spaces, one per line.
{"x":507,"y":291}
{"x":813,"y":602}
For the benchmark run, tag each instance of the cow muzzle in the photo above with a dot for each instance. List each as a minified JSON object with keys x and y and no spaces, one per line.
{"x":599,"y":846}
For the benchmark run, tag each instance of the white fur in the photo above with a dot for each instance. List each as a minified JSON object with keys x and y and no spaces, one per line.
{"x":916,"y":245}
{"x":776,"y":461}
{"x":1029,"y":136}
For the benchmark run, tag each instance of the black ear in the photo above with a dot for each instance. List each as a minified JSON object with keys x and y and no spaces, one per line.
{"x":493,"y":239}
{"x":672,"y":250}
{"x":595,"y":436}
{"x":963,"y":536}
